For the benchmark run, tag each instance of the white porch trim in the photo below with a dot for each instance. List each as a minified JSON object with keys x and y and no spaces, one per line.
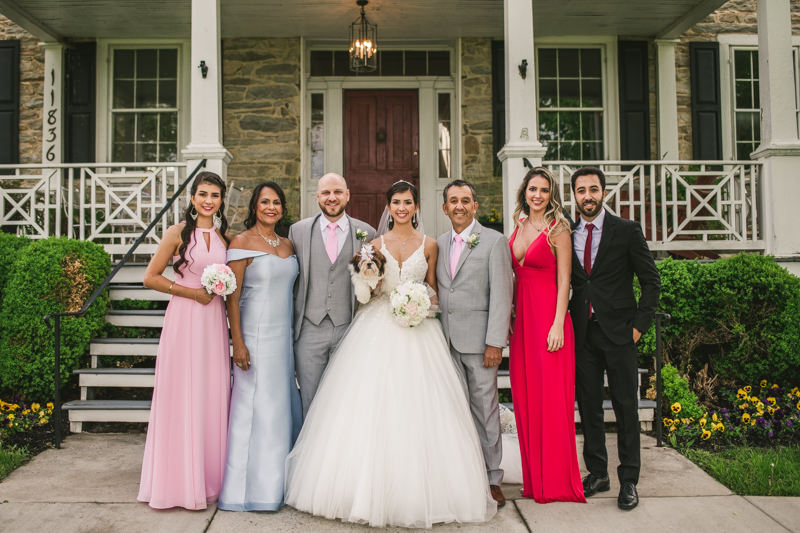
{"x":667,"y":90}
{"x":52,"y":108}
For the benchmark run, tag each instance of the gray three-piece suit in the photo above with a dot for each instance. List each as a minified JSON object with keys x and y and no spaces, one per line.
{"x":475,"y":311}
{"x":324,"y":302}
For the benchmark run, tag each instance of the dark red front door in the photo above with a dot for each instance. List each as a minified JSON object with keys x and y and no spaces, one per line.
{"x":381,"y":147}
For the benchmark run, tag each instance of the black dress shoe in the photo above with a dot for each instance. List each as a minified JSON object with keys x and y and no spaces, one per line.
{"x":628,"y":497}
{"x":592,"y":485}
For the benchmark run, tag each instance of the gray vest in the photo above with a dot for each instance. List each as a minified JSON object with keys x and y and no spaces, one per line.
{"x":328,"y":291}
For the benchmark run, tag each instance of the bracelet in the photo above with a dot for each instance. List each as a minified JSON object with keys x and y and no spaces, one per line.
{"x":169,"y":291}
{"x":195,"y":295}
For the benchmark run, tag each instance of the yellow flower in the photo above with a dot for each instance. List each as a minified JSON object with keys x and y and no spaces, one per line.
{"x":42,"y":414}
{"x":43,"y":421}
{"x":720,"y":427}
{"x":667,"y":422}
{"x":691,"y":420}
{"x":745,"y":418}
{"x":798,"y":405}
{"x":703,"y":422}
{"x":753,"y":399}
{"x":50,"y":405}
{"x":14,"y":407}
{"x":26,"y":411}
{"x":748,"y":389}
{"x":11,"y":417}
{"x":741,"y":394}
{"x":771,"y":410}
{"x":685,"y":420}
{"x":673,"y":428}
{"x":706,"y":434}
{"x":676,"y":407}
{"x":753,"y":422}
{"x":763,"y":383}
{"x":795,"y":391}
{"x":760,"y":407}
{"x":714,"y":417}
{"x":35,"y":407}
{"x":744,"y":406}
{"x":772,"y":401}
{"x":774,"y":385}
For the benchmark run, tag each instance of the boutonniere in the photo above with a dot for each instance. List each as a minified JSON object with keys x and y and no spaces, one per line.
{"x":473,"y":240}
{"x":361,"y":235}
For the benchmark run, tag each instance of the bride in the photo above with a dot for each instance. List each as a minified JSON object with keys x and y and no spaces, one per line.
{"x":389,"y":439}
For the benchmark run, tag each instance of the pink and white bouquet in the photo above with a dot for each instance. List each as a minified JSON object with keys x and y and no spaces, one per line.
{"x":410,"y":303}
{"x":218,"y":279}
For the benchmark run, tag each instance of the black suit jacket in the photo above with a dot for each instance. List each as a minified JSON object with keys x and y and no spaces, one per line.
{"x":623,"y":251}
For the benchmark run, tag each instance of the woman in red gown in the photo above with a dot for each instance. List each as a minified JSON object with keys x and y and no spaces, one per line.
{"x":542,"y":365}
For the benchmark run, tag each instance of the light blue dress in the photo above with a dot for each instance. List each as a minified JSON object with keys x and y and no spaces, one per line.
{"x":266,"y":413}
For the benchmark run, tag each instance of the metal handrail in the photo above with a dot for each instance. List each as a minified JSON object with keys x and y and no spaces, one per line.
{"x":661,"y":319}
{"x":95,"y":295}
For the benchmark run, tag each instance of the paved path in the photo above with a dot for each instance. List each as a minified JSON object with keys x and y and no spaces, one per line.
{"x":90,"y":485}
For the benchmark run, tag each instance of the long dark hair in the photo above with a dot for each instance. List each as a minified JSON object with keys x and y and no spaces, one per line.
{"x":251,"y":219}
{"x":191,"y":224}
{"x":403,"y":186}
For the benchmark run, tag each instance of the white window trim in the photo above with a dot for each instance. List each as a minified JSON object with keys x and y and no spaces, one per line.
{"x":104,"y":86}
{"x":729,"y":42}
{"x":608,"y":49}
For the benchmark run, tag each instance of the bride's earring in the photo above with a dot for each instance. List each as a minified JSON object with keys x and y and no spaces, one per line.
{"x":217,"y":220}
{"x":193,"y":215}
{"x":414,"y":221}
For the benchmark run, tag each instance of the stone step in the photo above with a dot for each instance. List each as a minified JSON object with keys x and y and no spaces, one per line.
{"x":116,"y":377}
{"x":136,"y":292}
{"x":124,"y":347}
{"x":133,"y":274}
{"x":151,"y":318}
{"x":504,"y":382}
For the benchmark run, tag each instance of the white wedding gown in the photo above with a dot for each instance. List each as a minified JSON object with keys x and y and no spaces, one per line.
{"x":389,"y":439}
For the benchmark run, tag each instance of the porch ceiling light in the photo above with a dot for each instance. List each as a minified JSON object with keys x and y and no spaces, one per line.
{"x":363,"y":43}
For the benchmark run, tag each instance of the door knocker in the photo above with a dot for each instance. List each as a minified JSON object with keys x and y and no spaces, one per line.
{"x":381,"y":135}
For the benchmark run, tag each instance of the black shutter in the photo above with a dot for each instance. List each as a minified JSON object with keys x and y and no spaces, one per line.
{"x":706,"y":104}
{"x":498,"y":101}
{"x":79,"y":103}
{"x":9,"y":103}
{"x":634,"y":100}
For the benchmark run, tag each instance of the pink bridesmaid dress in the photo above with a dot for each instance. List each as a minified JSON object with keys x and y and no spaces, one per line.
{"x":543,"y":383}
{"x":184,"y":457}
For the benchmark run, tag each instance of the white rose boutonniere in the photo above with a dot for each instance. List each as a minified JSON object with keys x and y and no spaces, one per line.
{"x":473,"y":240}
{"x":361,"y":235}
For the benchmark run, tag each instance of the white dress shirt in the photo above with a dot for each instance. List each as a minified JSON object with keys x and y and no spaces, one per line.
{"x":342,"y":231}
{"x":581,"y":233}
{"x":464,"y":236}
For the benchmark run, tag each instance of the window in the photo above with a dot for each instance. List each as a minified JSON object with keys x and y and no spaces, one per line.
{"x":444,"y":132}
{"x":571,"y":103}
{"x":144,"y":105}
{"x":390,"y":63}
{"x":317,"y":135}
{"x":746,"y":103}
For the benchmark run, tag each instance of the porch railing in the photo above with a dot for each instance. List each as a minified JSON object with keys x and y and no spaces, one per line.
{"x":109,"y":203}
{"x":681,"y":205}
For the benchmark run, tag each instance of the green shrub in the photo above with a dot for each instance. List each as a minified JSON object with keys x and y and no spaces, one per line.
{"x":53,"y":276}
{"x":10,"y":247}
{"x":681,"y":401}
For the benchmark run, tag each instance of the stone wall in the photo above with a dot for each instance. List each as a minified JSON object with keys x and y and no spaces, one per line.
{"x":476,"y":115}
{"x":261,"y":115}
{"x":31,"y":91}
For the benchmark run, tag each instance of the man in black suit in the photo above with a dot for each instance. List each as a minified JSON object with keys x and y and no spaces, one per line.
{"x":608,"y":322}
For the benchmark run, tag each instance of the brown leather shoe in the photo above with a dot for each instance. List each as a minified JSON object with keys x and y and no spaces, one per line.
{"x":497,"y":494}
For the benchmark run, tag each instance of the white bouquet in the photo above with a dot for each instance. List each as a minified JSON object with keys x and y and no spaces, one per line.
{"x":410,"y":303}
{"x":218,"y":279}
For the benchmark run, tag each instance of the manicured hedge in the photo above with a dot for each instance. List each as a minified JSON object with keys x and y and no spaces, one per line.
{"x":10,"y":248}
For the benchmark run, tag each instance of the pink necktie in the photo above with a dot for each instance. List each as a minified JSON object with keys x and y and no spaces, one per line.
{"x":456,"y":255}
{"x":332,"y":242}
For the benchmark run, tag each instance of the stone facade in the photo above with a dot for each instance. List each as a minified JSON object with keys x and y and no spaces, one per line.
{"x":31,"y":91}
{"x":477,"y":165}
{"x":261,"y":115}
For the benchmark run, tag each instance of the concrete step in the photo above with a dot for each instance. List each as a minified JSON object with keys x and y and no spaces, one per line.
{"x":504,"y":381}
{"x":106,"y":411}
{"x":124,"y":347}
{"x":136,"y":292}
{"x":150,"y":318}
{"x":134,"y":273}
{"x":116,"y":377}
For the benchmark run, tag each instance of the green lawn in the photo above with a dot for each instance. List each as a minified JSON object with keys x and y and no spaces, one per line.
{"x":11,"y":458}
{"x":753,"y":471}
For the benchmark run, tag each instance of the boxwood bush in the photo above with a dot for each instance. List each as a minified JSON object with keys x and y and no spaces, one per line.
{"x":10,"y":248}
{"x":52,"y":276}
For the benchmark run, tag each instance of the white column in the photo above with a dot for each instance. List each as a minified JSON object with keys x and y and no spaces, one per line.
{"x":522,"y":125}
{"x":667,"y":100}
{"x":52,"y":118}
{"x":428,"y":157}
{"x":206,"y":99}
{"x":780,"y":147}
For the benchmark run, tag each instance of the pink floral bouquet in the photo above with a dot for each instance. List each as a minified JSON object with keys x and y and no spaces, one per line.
{"x":218,"y":279}
{"x":410,"y":304}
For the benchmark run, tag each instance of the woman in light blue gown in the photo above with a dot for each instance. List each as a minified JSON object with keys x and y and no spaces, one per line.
{"x":266,"y":413}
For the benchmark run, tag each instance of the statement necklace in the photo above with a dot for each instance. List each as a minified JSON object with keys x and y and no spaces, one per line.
{"x":274,"y":243}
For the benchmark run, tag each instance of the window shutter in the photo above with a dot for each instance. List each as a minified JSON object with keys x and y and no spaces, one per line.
{"x":79,"y":103}
{"x":706,"y":104}
{"x":9,"y":103}
{"x":498,"y":101}
{"x":634,"y":100}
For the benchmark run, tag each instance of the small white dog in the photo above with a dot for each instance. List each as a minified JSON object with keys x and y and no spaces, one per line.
{"x":367,"y":268}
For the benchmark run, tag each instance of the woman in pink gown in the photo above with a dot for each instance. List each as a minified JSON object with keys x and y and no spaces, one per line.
{"x":542,"y":365}
{"x":184,"y":457}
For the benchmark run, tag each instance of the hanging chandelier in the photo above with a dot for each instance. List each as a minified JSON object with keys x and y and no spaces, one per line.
{"x":363,"y":43}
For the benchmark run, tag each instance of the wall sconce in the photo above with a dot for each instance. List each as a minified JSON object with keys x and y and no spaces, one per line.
{"x":203,"y":69}
{"x":523,"y":68}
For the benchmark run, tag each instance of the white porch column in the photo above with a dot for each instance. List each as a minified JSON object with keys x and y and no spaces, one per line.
{"x":522,"y":124}
{"x":52,"y":117}
{"x":667,"y":100}
{"x":780,"y":147}
{"x":206,"y":99}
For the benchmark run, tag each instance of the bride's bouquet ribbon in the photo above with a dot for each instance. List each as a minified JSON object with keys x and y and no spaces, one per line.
{"x":410,"y":304}
{"x":218,"y":279}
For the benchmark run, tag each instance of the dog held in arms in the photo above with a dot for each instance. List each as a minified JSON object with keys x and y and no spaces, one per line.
{"x":367,"y":268}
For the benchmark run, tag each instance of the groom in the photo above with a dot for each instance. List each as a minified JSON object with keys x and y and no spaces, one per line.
{"x":608,"y":322}
{"x":324,"y":303}
{"x":475,"y":294}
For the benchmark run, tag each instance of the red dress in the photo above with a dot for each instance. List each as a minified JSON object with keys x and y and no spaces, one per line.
{"x":543,"y":383}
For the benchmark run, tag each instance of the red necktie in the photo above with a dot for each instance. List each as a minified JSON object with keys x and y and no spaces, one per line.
{"x":587,"y":257}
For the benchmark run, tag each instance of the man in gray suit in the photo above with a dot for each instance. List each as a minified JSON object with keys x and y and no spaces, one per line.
{"x":475,"y":295}
{"x":324,"y":303}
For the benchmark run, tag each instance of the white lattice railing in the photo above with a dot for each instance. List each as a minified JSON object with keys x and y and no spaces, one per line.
{"x":681,"y":205}
{"x":108,"y":205}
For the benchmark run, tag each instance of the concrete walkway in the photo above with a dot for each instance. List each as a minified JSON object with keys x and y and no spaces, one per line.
{"x":90,"y":485}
